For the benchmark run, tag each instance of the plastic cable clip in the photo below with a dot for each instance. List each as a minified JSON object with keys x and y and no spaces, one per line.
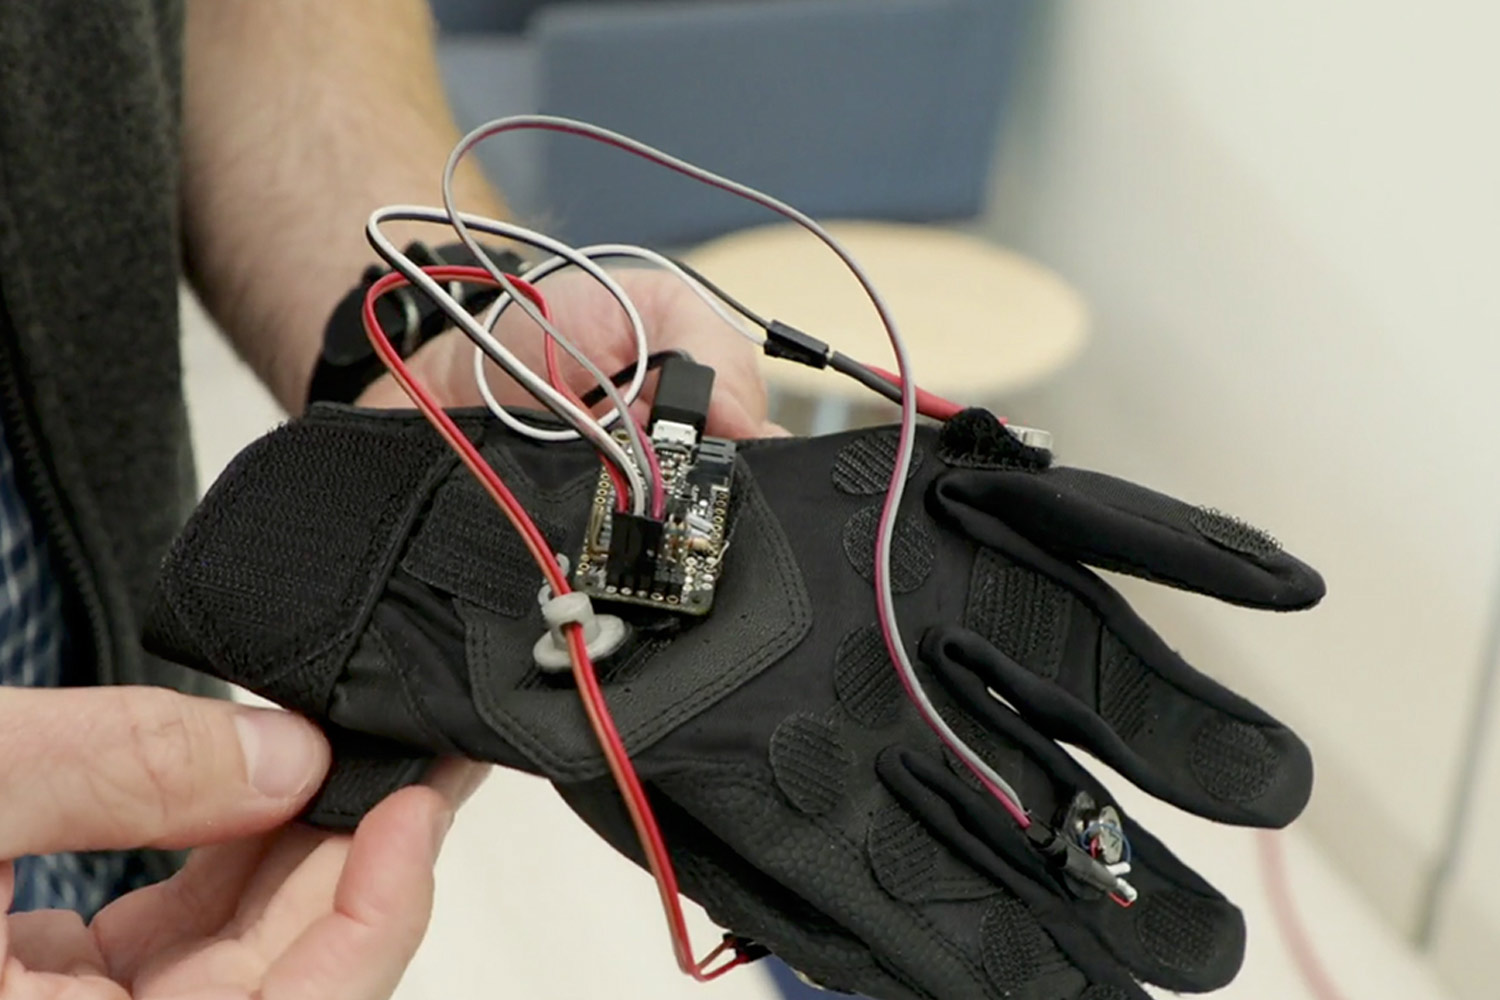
{"x":602,"y":634}
{"x":784,"y":341}
{"x":1031,"y":437}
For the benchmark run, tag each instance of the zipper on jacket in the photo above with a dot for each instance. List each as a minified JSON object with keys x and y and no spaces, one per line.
{"x":45,"y":504}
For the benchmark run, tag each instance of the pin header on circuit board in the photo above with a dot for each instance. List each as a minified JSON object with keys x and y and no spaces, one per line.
{"x":673,"y":562}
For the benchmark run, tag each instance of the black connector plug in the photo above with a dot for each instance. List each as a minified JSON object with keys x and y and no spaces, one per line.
{"x":788,"y":342}
{"x":683,"y":392}
{"x":1070,"y":859}
{"x":1082,"y":873}
{"x":635,"y":545}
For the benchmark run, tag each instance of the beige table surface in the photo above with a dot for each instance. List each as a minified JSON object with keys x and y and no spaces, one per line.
{"x":979,"y":320}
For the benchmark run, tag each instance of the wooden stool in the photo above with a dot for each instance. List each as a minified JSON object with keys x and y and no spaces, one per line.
{"x":979,"y":321}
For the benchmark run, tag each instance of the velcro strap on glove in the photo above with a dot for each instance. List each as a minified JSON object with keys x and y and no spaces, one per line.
{"x":275,"y":583}
{"x":339,"y":493}
{"x":365,"y":770}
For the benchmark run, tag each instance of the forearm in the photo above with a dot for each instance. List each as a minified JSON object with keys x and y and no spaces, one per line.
{"x":299,"y":119}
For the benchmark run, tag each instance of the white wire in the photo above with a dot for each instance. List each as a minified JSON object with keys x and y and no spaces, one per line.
{"x":884,"y":597}
{"x":551,"y":266}
{"x":599,"y":250}
{"x":564,"y":256}
{"x":460,"y":226}
{"x":569,"y":255}
{"x":587,"y":424}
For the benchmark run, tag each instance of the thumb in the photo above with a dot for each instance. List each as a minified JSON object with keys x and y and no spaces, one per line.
{"x":123,"y":767}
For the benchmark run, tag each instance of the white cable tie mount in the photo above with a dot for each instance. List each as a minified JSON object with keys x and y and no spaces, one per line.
{"x":545,"y":594}
{"x":602,"y":634}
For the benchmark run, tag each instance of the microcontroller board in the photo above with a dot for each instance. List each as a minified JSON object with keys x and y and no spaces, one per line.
{"x":673,"y":562}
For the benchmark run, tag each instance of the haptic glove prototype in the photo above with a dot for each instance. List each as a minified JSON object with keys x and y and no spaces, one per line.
{"x":346,"y":566}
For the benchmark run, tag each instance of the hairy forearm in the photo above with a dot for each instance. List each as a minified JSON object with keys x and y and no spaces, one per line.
{"x":300,"y":117}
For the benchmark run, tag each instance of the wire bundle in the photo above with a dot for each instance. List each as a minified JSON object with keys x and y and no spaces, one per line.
{"x":632,"y":463}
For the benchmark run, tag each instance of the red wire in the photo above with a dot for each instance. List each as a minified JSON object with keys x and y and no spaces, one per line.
{"x":479,"y":275}
{"x":653,"y":469}
{"x":928,"y":404}
{"x":536,"y":544}
{"x":554,"y":376}
{"x":595,"y":707}
{"x":653,"y":466}
{"x":1293,"y":934}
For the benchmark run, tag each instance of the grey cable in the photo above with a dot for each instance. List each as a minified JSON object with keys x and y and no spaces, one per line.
{"x":461,"y":227}
{"x":587,"y":424}
{"x":551,"y":265}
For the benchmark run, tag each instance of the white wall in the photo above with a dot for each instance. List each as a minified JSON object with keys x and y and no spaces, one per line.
{"x":1466,"y":930}
{"x":1285,"y":218}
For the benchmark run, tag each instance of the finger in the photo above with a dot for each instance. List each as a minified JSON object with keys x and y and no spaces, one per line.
{"x":728,"y":417}
{"x":457,"y":780}
{"x":110,"y":768}
{"x":18,"y":981}
{"x":365,"y":770}
{"x":380,"y":908}
{"x":289,"y":887}
{"x":1067,"y":650}
{"x":976,"y":830}
{"x":300,"y":875}
{"x":192,"y":905}
{"x":582,"y":311}
{"x":54,"y":941}
{"x":1117,"y":525}
{"x":1180,"y":933}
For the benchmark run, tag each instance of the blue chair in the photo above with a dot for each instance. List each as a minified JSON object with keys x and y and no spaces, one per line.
{"x":874,"y":109}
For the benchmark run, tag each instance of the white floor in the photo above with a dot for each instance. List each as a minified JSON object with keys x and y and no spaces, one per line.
{"x":530,"y":904}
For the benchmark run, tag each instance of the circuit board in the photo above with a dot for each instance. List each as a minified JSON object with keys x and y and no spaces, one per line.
{"x":673,"y":563}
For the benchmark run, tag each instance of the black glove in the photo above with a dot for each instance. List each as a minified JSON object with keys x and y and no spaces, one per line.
{"x":347,"y":567}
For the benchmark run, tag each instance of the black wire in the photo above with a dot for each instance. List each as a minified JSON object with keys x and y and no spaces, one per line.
{"x":724,"y":296}
{"x":410,"y":269}
{"x":837,"y":360}
{"x":595,"y":396}
{"x":845,"y":365}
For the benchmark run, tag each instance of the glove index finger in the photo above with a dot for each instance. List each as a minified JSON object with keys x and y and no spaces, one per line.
{"x":1172,"y":731}
{"x":1117,"y":525}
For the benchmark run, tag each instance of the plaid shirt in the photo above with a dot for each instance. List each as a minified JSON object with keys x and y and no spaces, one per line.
{"x":31,"y":637}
